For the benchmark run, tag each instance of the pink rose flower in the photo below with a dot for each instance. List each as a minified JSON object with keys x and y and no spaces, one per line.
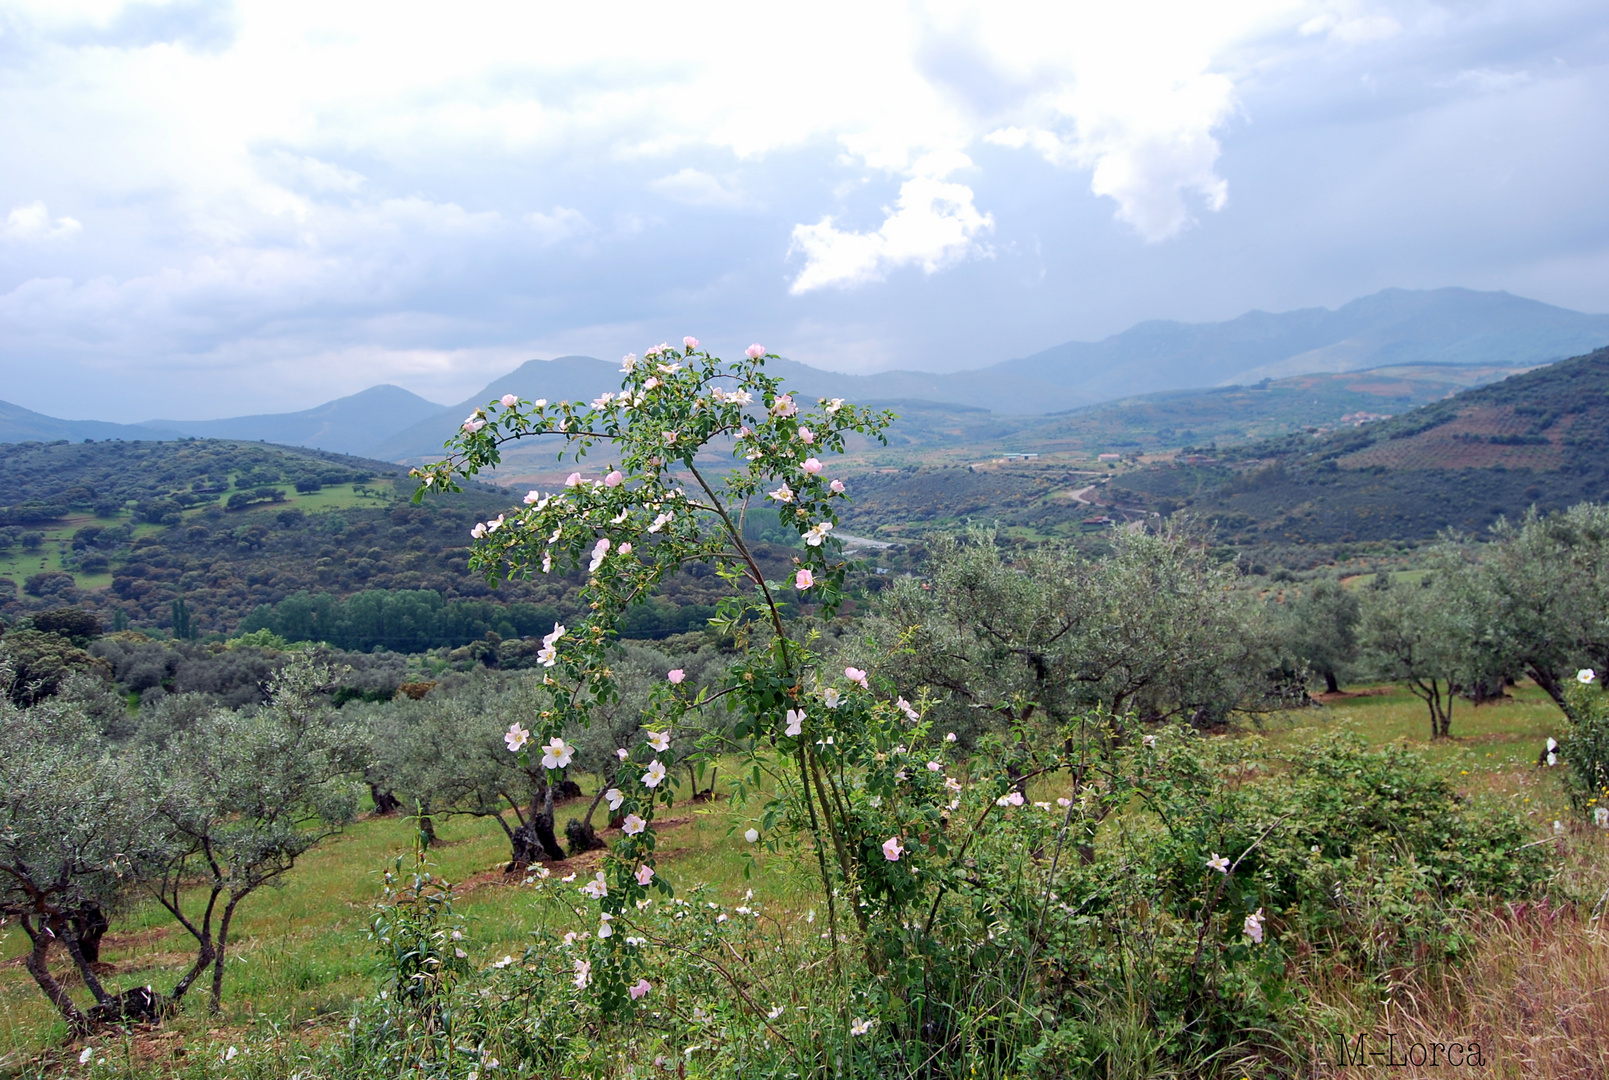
{"x":676,"y":675}
{"x":805,"y":435}
{"x":689,"y":342}
{"x":855,"y":674}
{"x":893,"y":849}
{"x":614,"y":478}
{"x":640,"y":990}
{"x":837,"y":487}
{"x":509,"y":400}
{"x":803,"y":580}
{"x":812,"y":466}
{"x":755,"y":351}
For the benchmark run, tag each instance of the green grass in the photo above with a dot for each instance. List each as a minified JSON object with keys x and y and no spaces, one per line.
{"x":299,"y":952}
{"x":300,"y":958}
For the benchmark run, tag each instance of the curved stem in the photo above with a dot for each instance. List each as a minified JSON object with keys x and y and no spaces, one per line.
{"x":754,"y":568}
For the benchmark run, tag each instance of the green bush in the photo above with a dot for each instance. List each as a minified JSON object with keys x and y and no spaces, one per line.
{"x":1090,"y":939}
{"x":1585,"y":749}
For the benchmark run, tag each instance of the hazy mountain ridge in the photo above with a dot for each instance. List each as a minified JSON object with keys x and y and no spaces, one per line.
{"x":1394,"y":327}
{"x":18,"y":424}
{"x":349,"y":425}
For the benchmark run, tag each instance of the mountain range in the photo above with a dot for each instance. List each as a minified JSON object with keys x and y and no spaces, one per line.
{"x":1394,"y":327}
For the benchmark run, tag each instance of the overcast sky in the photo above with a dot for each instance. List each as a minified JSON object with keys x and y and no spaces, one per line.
{"x":209,"y":209}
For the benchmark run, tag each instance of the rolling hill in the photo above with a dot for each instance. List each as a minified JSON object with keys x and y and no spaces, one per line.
{"x":1537,"y":439}
{"x":1540,"y":439}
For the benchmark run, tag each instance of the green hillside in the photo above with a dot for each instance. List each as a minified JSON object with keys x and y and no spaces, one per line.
{"x":1540,"y":438}
{"x":306,"y":544}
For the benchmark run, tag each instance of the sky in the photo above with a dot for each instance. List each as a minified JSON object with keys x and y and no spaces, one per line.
{"x":210,"y":208}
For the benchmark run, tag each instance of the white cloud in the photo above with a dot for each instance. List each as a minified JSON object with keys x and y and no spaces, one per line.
{"x":1135,"y":94}
{"x":1488,"y":80}
{"x":560,"y":225}
{"x":693,"y":187}
{"x":933,"y":225}
{"x":1346,"y":21}
{"x":32,"y":221}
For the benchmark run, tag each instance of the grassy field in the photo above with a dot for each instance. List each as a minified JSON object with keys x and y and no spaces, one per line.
{"x":300,"y":958}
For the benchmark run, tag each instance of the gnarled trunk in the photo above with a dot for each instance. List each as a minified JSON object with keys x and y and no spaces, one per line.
{"x":385,"y":800}
{"x":38,"y":965}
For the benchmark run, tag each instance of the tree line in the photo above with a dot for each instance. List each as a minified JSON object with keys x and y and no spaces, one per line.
{"x":1532,"y":602}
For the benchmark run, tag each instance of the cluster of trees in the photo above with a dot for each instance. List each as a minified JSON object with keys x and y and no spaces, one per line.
{"x":195,"y":811}
{"x":402,"y":620}
{"x":46,"y":650}
{"x":45,"y":482}
{"x":1155,"y":629}
{"x":1532,"y":602}
{"x":194,"y":805}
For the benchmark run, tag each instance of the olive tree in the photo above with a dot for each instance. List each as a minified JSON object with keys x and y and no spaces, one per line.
{"x":1413,"y":633}
{"x":1545,"y":591}
{"x":1154,"y":629}
{"x":70,"y":836}
{"x":239,"y":799}
{"x":446,"y":755}
{"x":1319,"y":626}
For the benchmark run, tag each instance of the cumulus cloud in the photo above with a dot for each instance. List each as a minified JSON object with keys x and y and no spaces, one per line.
{"x":1349,"y":22}
{"x":1135,"y":95}
{"x":562,"y":224}
{"x":933,"y":224}
{"x":310,"y":180}
{"x":32,"y":221}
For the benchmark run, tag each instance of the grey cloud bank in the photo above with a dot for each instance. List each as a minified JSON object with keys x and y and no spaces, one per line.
{"x":209,"y":210}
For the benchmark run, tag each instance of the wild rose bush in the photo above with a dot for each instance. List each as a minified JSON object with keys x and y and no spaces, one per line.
{"x":1110,"y":888}
{"x":690,"y":446}
{"x":1585,"y":749}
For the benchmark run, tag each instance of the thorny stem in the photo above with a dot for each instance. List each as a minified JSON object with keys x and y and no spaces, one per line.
{"x":787,"y":667}
{"x":927,"y":925}
{"x":754,"y":569}
{"x":1050,"y":883}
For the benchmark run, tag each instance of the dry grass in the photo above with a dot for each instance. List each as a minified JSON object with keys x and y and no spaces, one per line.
{"x":1533,"y":992}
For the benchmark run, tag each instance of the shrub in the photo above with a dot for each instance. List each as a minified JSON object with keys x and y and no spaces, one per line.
{"x":1585,"y":749}
{"x":49,"y":583}
{"x":1066,"y":940}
